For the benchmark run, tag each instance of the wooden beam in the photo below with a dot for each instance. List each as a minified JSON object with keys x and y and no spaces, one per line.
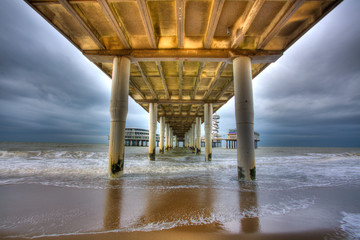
{"x":181,"y":76}
{"x":201,"y":68}
{"x":163,"y":80}
{"x":41,"y":3}
{"x":180,"y":22}
{"x":146,"y":80}
{"x":137,"y":89}
{"x":286,"y":13}
{"x":114,"y":23}
{"x":215,"y":13}
{"x":53,"y":24}
{"x":188,"y":113}
{"x":48,"y":2}
{"x":164,"y":111}
{"x":241,"y":27}
{"x":145,"y":16}
{"x":229,"y":84}
{"x":198,"y":55}
{"x":175,"y":101}
{"x":220,"y":68}
{"x":82,"y":23}
{"x":180,"y":109}
{"x":171,"y":109}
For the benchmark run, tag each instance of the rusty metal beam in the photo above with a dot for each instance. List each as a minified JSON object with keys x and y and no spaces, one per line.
{"x":183,"y":101}
{"x":220,"y":68}
{"x":114,"y":23}
{"x":216,"y":9}
{"x":180,"y":22}
{"x":163,"y":80}
{"x":146,"y":80}
{"x":82,"y":23}
{"x":242,"y":26}
{"x":198,"y":77}
{"x":145,"y":16}
{"x":208,"y":55}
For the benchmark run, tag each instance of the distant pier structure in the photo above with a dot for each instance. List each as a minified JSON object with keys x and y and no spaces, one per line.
{"x":231,"y":140}
{"x":215,"y":136}
{"x":138,"y":137}
{"x":182,"y":60}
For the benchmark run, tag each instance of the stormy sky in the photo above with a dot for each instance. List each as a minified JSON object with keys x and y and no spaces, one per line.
{"x":50,"y":92}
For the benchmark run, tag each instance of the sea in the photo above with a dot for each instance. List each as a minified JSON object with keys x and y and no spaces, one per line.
{"x":51,"y":189}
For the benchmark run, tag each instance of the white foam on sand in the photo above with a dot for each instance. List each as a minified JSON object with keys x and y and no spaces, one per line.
{"x":350,"y":224}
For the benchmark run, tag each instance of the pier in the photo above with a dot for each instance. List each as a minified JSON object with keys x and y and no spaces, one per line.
{"x":138,"y":137}
{"x":182,"y":60}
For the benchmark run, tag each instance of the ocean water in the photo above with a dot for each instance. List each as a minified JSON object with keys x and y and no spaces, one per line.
{"x":297,"y":189}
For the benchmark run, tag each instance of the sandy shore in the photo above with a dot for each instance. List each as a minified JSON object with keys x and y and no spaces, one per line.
{"x":180,"y":235}
{"x":49,"y":212}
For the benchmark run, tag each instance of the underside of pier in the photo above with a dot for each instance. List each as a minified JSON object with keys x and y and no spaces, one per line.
{"x":178,"y":58}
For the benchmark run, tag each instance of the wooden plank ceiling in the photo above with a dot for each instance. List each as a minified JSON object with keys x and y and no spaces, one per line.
{"x":182,"y":50}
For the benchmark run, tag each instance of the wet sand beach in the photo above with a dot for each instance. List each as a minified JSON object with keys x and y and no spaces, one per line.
{"x":207,"y":203}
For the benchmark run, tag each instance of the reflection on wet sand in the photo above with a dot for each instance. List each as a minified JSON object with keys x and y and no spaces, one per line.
{"x":113,"y":205}
{"x":179,"y":207}
{"x":249,"y":207}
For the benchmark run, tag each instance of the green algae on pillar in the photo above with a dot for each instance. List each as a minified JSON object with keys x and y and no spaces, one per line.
{"x":208,"y":110}
{"x":118,"y":113}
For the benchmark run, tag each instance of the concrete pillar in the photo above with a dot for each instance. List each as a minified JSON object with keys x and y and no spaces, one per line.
{"x":244,"y":112}
{"x":167,"y":135}
{"x":193,"y":138}
{"x":162,"y":133}
{"x":189,"y":138}
{"x":176,"y":142}
{"x":198,"y":135}
{"x":152,"y":130}
{"x":171,"y":138}
{"x":185,"y":136}
{"x":118,"y":113}
{"x":208,"y":112}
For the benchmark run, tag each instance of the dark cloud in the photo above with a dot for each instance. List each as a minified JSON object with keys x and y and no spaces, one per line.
{"x":311,"y":95}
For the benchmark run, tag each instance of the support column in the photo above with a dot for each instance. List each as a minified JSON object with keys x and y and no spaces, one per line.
{"x":118,"y":113}
{"x":171,"y":138}
{"x":193,"y":137}
{"x":208,"y":110}
{"x":176,"y":142}
{"x":185,"y":141}
{"x":166,"y":136}
{"x":189,"y":138}
{"x":162,"y":133}
{"x":198,"y":135}
{"x":152,"y":130}
{"x":244,"y":112}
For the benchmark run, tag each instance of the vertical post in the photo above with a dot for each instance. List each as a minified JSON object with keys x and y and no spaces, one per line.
{"x":171,"y":138}
{"x":189,"y":138}
{"x":152,"y":130}
{"x":193,"y":137}
{"x":118,"y":113}
{"x":198,"y":135}
{"x":185,"y":141}
{"x":208,"y":110}
{"x":244,"y":112}
{"x":176,"y":142}
{"x":162,"y":133}
{"x":167,"y":136}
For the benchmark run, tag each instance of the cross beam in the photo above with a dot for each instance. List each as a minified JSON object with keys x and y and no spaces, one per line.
{"x":196,"y":55}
